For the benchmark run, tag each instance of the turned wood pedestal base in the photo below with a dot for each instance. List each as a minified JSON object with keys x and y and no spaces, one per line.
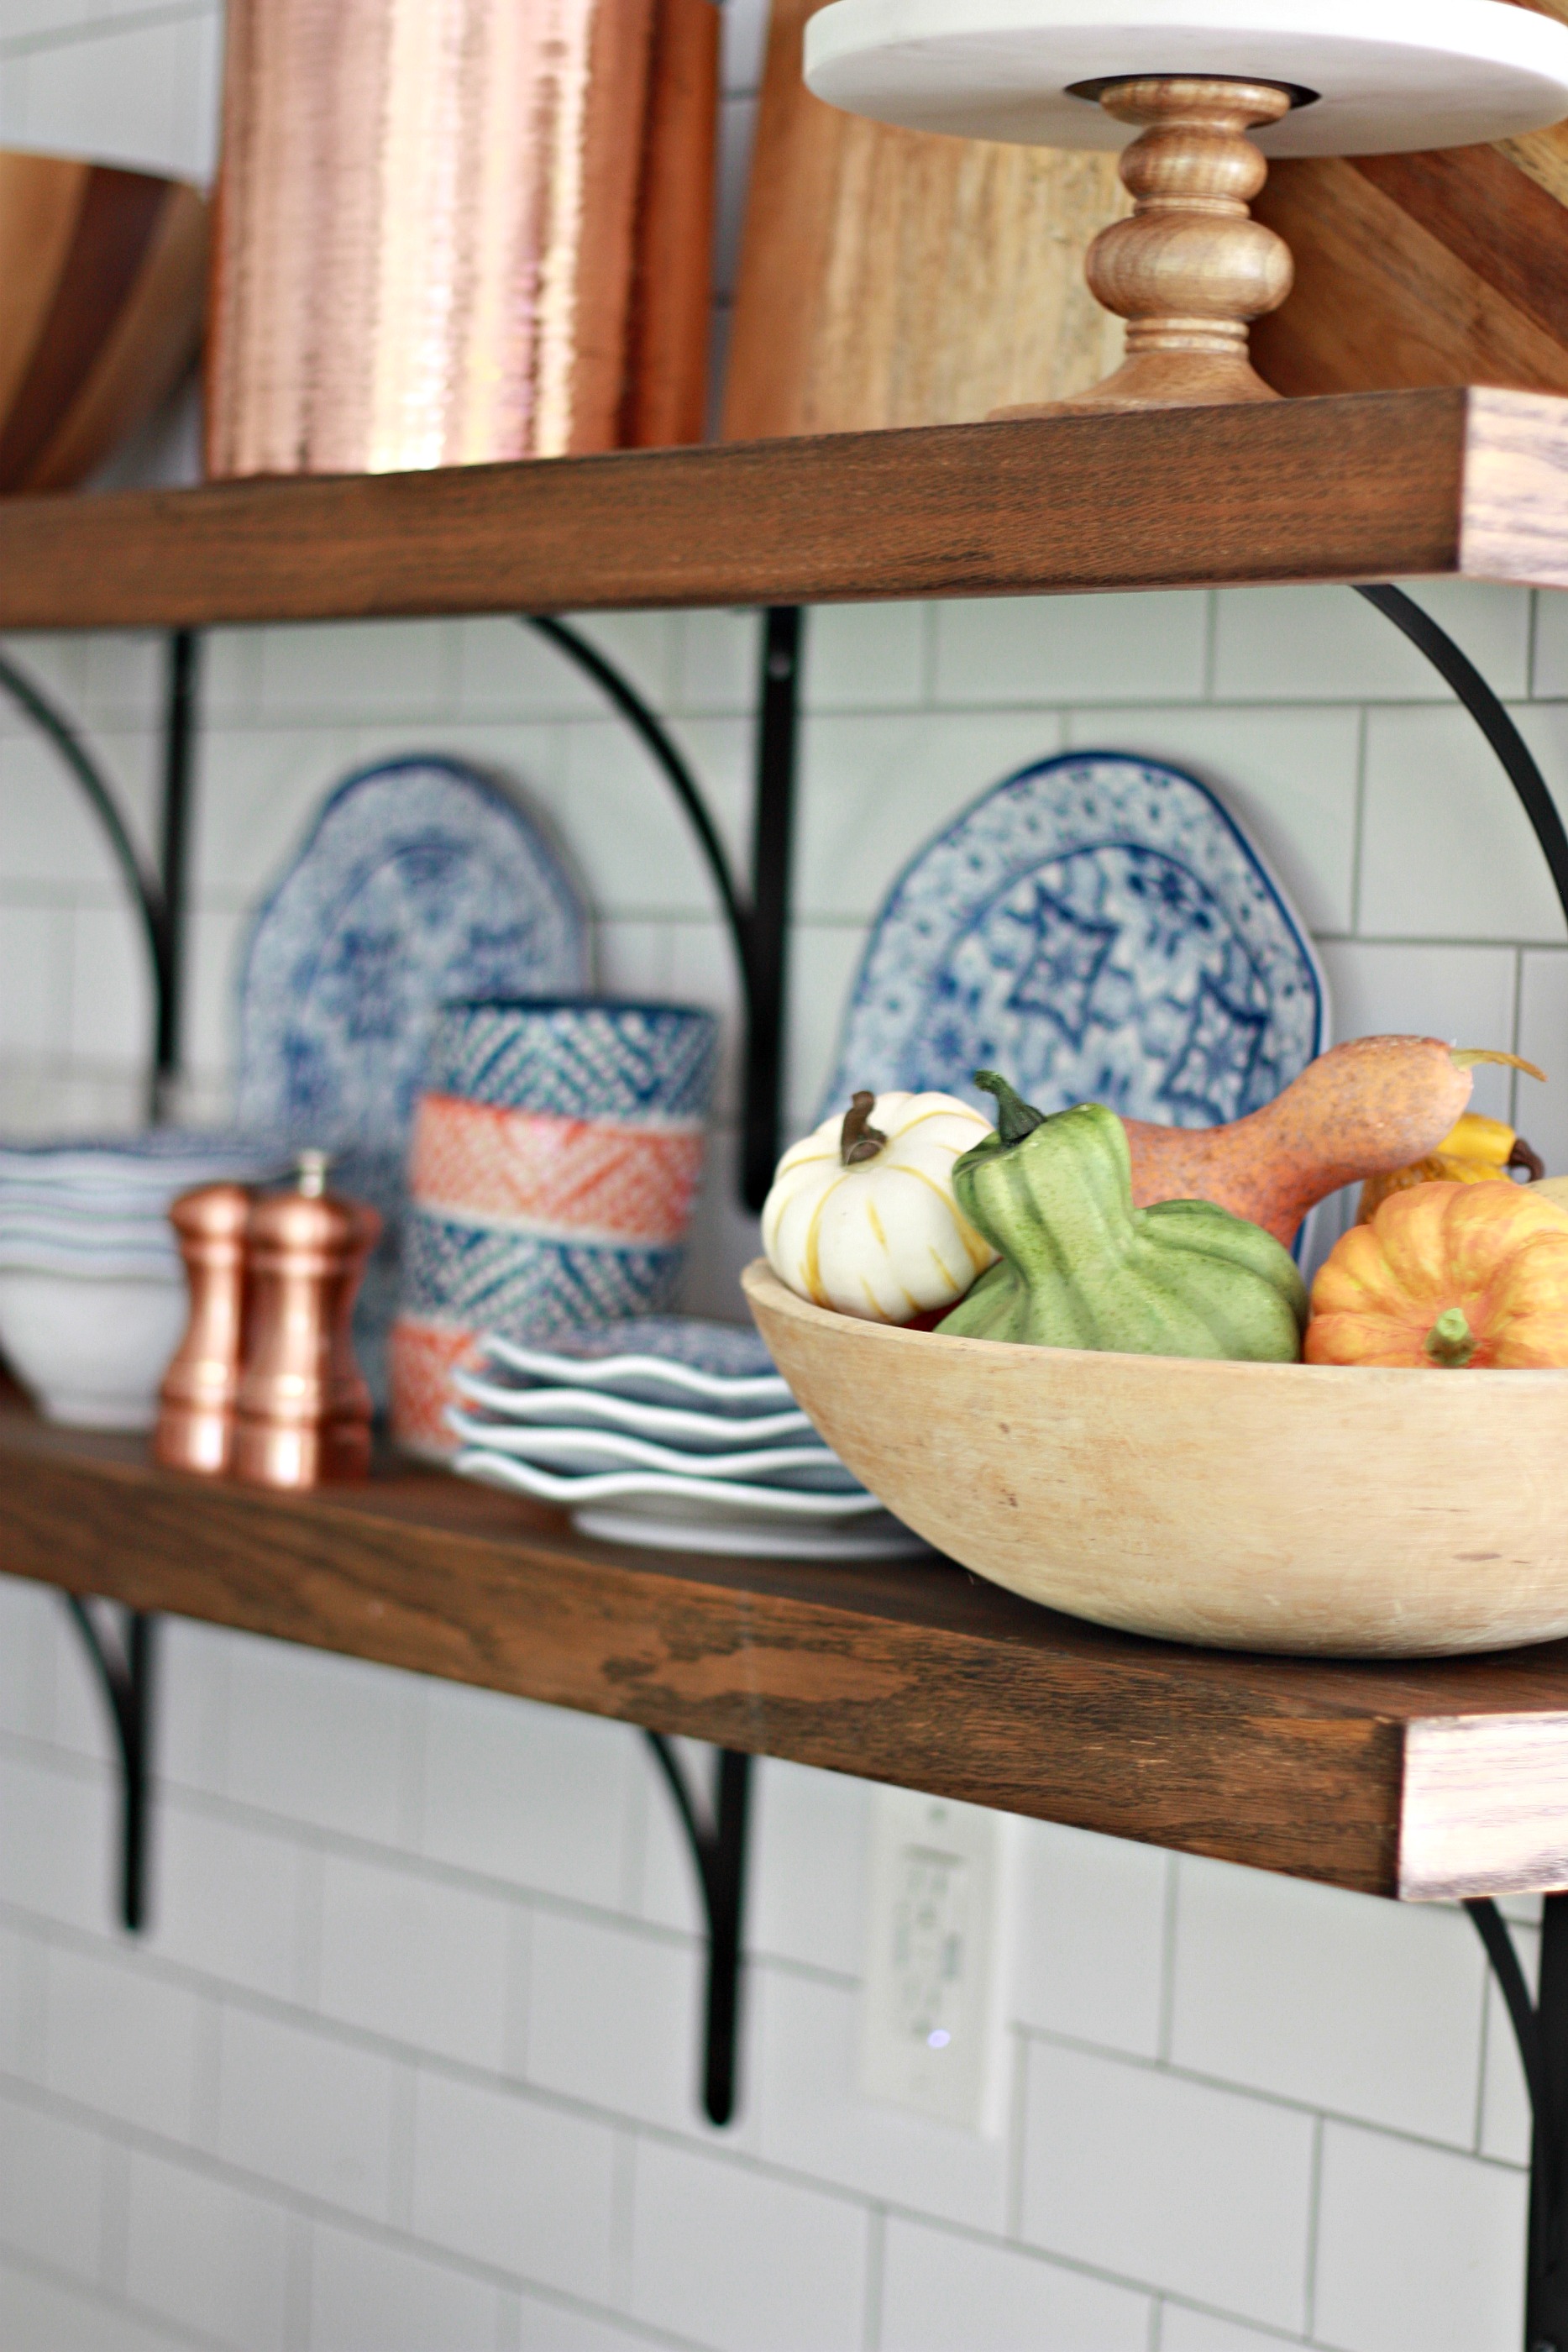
{"x":1191,"y":268}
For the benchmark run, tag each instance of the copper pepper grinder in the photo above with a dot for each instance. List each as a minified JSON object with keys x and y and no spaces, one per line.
{"x":197,"y":1402}
{"x":303,"y":1412}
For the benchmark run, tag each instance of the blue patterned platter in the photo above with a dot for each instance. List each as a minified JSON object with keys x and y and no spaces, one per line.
{"x":1100,"y":928}
{"x":422,"y":881}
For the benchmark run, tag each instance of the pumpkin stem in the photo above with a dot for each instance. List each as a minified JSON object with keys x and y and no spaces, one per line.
{"x":1015,"y":1118}
{"x":1521,"y":1156}
{"x":858,"y":1140}
{"x":1450,"y":1342}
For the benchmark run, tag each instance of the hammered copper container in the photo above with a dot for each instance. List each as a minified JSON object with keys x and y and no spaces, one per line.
{"x":303,"y":1410}
{"x":197,"y":1402}
{"x":424,"y":240}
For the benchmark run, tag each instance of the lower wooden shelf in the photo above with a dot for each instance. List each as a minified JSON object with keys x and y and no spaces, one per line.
{"x":1443,"y":1779}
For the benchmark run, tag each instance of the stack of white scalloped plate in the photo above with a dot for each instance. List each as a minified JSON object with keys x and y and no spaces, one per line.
{"x":667,"y":1432}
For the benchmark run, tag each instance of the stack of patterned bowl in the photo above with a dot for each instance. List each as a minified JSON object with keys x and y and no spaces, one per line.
{"x":669,"y":1432}
{"x":555,"y":1158}
{"x":92,"y":1292}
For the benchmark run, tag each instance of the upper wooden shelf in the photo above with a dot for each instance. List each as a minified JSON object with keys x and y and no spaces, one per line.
{"x":1366,"y":486}
{"x":1446,"y":1778}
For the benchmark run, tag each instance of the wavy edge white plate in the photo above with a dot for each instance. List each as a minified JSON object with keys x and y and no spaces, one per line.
{"x":699,"y":1433}
{"x":715,"y":1498}
{"x":589,"y":1452}
{"x":893,"y":1542}
{"x":611,"y":1374}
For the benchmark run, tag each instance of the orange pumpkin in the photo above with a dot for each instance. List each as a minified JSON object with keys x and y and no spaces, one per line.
{"x":1448,"y":1276}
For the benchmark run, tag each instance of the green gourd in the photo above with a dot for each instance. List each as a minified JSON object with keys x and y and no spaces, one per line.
{"x":1081,"y":1267}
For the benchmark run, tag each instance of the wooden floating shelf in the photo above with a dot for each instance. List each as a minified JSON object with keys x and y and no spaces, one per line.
{"x":1358,"y":486}
{"x":1418,"y":1780}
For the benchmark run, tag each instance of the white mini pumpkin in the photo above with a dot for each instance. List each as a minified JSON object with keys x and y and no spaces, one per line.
{"x":861,"y":1216}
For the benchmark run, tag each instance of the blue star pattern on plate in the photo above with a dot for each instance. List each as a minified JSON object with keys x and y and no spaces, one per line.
{"x":1099,"y":927}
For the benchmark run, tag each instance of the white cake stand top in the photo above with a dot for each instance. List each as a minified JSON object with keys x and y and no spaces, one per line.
{"x":1385,"y":74}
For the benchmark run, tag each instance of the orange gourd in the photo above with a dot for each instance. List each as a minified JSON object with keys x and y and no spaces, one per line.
{"x":1372,"y":1105}
{"x":1445,"y":1276}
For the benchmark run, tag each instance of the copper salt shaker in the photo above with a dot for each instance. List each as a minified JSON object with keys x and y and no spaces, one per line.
{"x":303,"y":1415}
{"x":197,"y":1402}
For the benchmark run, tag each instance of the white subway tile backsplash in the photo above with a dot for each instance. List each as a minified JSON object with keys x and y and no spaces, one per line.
{"x":1183,"y":2329}
{"x":1447,"y":850}
{"x":367,"y":2297}
{"x":938,"y":2290}
{"x":876,"y":788}
{"x":628,"y":837}
{"x":1034,"y":649}
{"x":302,"y":2108}
{"x":48,"y":833}
{"x":866,"y":658}
{"x":260,"y":788}
{"x":1370,"y":2009}
{"x":22,"y":1611}
{"x":321,"y":1739}
{"x":110,"y":988}
{"x":733,"y":2259}
{"x":529,"y":1794}
{"x":513,"y":2182}
{"x":614,"y":2019}
{"x":415,"y":1958}
{"x":345,"y":670}
{"x":816,"y":2120}
{"x":1177,"y":2184}
{"x":36,"y":954}
{"x":1089,"y":1937}
{"x":1544,"y":1039}
{"x":1419,"y":2251}
{"x":144,"y":97}
{"x":122,"y":2040}
{"x":1287,"y":645}
{"x":540,"y":2325}
{"x":228,"y":1900}
{"x":57,"y":1832}
{"x":811,"y":1831}
{"x":719,"y":655}
{"x":42,"y":2315}
{"x":203,"y":2252}
{"x":51,"y":2188}
{"x":15,"y":1956}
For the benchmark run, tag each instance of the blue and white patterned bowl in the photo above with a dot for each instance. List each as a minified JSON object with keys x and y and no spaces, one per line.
{"x":472,"y":1273}
{"x":577,"y":1057}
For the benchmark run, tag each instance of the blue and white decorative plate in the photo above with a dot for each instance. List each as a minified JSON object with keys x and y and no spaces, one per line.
{"x":420,"y":882}
{"x":1100,"y":928}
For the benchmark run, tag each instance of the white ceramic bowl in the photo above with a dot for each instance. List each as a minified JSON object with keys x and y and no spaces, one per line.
{"x":92,"y":1346}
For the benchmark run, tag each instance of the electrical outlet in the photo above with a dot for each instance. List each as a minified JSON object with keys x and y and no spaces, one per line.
{"x":931,"y":2026}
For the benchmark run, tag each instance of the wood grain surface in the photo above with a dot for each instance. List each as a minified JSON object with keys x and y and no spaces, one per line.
{"x":1308,"y":1509}
{"x":890,"y":278}
{"x":1393,"y":484}
{"x":912,"y":1673}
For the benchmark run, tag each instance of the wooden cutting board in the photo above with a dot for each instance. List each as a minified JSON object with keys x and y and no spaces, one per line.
{"x":1449,"y":267}
{"x":892,"y":278}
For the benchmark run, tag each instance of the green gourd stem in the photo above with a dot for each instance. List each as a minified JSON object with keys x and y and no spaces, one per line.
{"x":1450,"y":1342}
{"x":1015,"y":1118}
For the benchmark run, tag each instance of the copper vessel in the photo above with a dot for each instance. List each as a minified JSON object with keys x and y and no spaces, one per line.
{"x":423,"y":247}
{"x":197,"y":1402}
{"x":303,"y":1410}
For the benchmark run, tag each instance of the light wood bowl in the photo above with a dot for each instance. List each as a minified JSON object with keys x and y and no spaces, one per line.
{"x":1242,"y":1507}
{"x":102,"y":286}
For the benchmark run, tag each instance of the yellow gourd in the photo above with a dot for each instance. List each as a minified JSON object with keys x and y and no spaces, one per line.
{"x":1476,"y":1151}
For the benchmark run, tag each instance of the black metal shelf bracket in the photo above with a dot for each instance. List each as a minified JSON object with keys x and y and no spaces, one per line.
{"x":758,"y":922}
{"x":717,"y":1835}
{"x":1541,"y":2030}
{"x":123,"y":1663}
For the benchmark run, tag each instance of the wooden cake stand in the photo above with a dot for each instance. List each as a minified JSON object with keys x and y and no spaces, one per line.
{"x":1200,"y":93}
